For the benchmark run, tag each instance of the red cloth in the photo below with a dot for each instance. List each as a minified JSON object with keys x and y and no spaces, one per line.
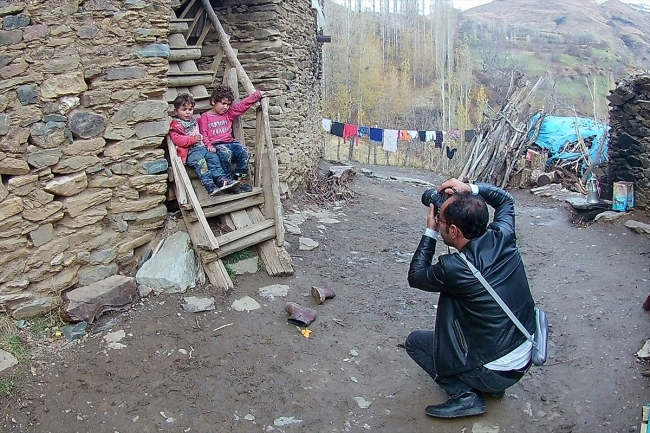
{"x":217,"y":128}
{"x":181,"y":139}
{"x":350,"y":131}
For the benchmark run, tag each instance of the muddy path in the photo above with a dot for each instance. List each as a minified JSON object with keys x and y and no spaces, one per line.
{"x":260,"y":374}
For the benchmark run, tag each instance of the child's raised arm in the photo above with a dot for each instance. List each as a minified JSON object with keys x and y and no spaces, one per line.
{"x":242,"y":106}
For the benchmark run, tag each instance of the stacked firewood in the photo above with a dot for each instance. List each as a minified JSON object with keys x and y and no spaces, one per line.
{"x":328,"y":188}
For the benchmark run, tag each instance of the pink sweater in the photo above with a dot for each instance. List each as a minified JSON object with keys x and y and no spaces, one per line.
{"x":217,"y":128}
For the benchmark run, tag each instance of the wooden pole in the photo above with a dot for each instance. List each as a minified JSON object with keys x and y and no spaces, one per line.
{"x":248,"y":86}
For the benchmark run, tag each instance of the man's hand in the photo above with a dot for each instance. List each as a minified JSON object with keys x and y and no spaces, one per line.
{"x":453,"y":186}
{"x":431,"y":219}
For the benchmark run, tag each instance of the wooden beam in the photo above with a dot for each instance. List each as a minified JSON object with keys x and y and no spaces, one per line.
{"x":187,"y":9}
{"x":187,"y":73}
{"x":244,"y":232}
{"x":225,"y":208}
{"x":184,"y":54}
{"x":181,"y":197}
{"x":187,"y":81}
{"x":176,"y":27}
{"x":177,"y":41}
{"x":194,"y":23}
{"x":184,"y":181}
{"x":248,"y":86}
{"x":204,"y":34}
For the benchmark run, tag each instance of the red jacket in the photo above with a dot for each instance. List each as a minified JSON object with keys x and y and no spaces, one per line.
{"x":217,"y":128}
{"x":181,"y":140}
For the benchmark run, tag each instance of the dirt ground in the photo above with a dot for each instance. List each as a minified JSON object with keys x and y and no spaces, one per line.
{"x":261,"y":375}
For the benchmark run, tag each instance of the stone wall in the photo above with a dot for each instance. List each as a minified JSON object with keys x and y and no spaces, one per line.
{"x":83,"y":174}
{"x":629,"y":151}
{"x":276,"y":43}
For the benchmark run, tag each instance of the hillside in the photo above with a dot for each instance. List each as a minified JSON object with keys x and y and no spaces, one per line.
{"x":570,"y":42}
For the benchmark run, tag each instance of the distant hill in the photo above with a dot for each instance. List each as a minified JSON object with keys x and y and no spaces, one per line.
{"x":570,"y":42}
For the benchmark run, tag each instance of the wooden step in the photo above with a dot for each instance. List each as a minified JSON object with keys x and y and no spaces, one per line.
{"x":181,"y":20}
{"x":178,"y":28}
{"x":171,"y":73}
{"x":207,"y":201}
{"x":238,"y":245}
{"x":189,"y":53}
{"x":189,"y":80}
{"x":228,"y":207}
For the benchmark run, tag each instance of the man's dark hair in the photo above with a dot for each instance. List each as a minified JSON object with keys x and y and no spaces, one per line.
{"x":221,"y":92}
{"x":469,"y":213}
{"x":182,"y":99}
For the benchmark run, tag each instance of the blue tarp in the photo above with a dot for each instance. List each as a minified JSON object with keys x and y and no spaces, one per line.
{"x":556,"y":132}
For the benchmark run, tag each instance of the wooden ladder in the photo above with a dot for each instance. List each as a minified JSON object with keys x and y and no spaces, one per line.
{"x":237,"y":221}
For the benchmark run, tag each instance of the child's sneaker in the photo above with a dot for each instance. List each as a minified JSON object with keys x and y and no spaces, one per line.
{"x":243,"y":179}
{"x":213,"y":190}
{"x":223,"y":183}
{"x":245,"y":187}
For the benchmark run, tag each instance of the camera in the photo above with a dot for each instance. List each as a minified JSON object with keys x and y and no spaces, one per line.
{"x":435,"y":198}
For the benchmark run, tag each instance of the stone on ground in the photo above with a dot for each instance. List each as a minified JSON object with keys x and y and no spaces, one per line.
{"x":637,"y":226}
{"x":247,"y":266}
{"x":7,"y":360}
{"x":307,"y":244}
{"x":196,"y":305}
{"x":245,"y":304}
{"x":173,"y":269}
{"x":114,"y":293}
{"x":274,"y":290}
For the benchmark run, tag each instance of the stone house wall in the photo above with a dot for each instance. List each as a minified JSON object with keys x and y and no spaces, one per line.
{"x":83,"y":173}
{"x":629,"y":150}
{"x":276,"y":43}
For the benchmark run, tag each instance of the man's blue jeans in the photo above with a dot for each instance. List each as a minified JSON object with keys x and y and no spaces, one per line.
{"x":233,"y":153}
{"x":206,"y":164}
{"x":419,"y":346}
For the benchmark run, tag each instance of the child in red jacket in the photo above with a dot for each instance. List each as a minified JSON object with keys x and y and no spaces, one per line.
{"x":216,"y":128}
{"x":184,"y":132}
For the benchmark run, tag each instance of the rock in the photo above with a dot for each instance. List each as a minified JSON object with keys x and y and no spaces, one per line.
{"x":113,"y":339}
{"x":247,"y":266}
{"x":11,"y":207}
{"x":329,"y":221}
{"x":27,"y":94}
{"x":7,"y":360}
{"x":609,"y":215}
{"x":274,"y":290}
{"x":5,"y":122}
{"x":144,"y":291}
{"x":196,"y":305}
{"x":87,"y":32}
{"x":44,"y":158}
{"x":42,"y":213}
{"x":33,"y":308}
{"x":174,"y":267}
{"x":637,"y":226}
{"x":85,"y":124}
{"x":89,"y":302}
{"x":362,"y":402}
{"x":140,"y":111}
{"x":34,"y":32}
{"x":63,"y":84}
{"x":10,"y":37}
{"x":307,"y":244}
{"x":152,"y":129}
{"x":42,"y":235}
{"x":67,"y":185}
{"x":89,"y":276}
{"x":13,"y":22}
{"x":154,"y":50}
{"x":245,"y":304}
{"x":286,"y":420}
{"x":75,"y":205}
{"x":419,"y":182}
{"x":126,"y":73}
{"x":157,"y":166}
{"x":75,"y":164}
{"x":74,"y":332}
{"x":12,"y":166}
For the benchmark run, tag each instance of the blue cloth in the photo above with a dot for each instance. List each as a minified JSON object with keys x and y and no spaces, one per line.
{"x":377,"y":134}
{"x":207,"y":166}
{"x":556,"y":132}
{"x":233,"y":153}
{"x":363,"y":131}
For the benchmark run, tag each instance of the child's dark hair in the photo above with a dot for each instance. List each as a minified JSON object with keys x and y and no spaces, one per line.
{"x":182,"y":99}
{"x":220,"y":93}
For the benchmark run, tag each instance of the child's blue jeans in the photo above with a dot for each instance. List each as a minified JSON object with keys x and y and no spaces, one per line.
{"x":206,"y":164}
{"x":233,"y":153}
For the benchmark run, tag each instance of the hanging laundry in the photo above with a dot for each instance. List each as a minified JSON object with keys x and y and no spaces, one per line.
{"x":430,"y":135}
{"x":469,"y":135}
{"x":404,"y":135}
{"x":450,"y":152}
{"x":363,"y":131}
{"x":413,"y":133}
{"x":453,"y":135}
{"x":437,"y":139}
{"x":327,"y":125}
{"x":337,"y":129}
{"x":390,"y":140}
{"x":350,"y":131}
{"x":377,"y":134}
{"x":422,"y":135}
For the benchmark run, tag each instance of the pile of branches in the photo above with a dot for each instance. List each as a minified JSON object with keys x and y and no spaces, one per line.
{"x":331,"y":187}
{"x":504,"y":136}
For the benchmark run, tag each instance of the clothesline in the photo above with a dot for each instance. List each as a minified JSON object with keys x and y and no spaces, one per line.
{"x":389,"y":137}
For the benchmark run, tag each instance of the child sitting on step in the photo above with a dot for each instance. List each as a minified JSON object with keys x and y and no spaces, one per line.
{"x":216,"y":128}
{"x":184,"y":132}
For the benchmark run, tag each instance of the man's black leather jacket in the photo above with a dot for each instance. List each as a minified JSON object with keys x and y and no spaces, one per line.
{"x":471,"y":328}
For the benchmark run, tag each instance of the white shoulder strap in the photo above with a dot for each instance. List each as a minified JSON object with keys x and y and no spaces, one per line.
{"x":496,"y":297}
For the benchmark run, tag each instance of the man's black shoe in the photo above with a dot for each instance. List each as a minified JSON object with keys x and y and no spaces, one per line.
{"x":470,"y":403}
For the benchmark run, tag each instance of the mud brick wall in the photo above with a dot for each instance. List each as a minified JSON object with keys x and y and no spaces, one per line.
{"x":629,"y":151}
{"x":276,"y":43}
{"x":82,"y":116}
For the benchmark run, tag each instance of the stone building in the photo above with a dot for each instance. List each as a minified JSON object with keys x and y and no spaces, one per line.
{"x":629,"y":152}
{"x":83,"y":118}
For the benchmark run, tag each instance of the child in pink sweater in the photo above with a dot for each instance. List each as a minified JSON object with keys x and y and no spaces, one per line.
{"x":216,"y":128}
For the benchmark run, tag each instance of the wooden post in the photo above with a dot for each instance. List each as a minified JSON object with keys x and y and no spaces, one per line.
{"x":248,"y":86}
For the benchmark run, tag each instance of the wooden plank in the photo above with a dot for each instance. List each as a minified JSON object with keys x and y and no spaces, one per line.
{"x":187,"y":9}
{"x":277,"y":260}
{"x":181,"y":20}
{"x":197,"y":19}
{"x":226,"y":208}
{"x":184,"y":181}
{"x":177,"y":41}
{"x":230,"y":80}
{"x":259,"y":148}
{"x":188,"y":80}
{"x":207,"y":200}
{"x":181,"y":197}
{"x":218,"y":57}
{"x":183,"y":73}
{"x":204,"y":34}
{"x":189,"y":53}
{"x":176,"y":27}
{"x":244,"y":232}
{"x":242,"y":244}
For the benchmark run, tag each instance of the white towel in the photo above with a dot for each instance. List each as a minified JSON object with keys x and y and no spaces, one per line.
{"x":390,"y":140}
{"x":327,"y":125}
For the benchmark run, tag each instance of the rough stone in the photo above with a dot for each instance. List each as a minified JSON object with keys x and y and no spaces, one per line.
{"x":14,"y":167}
{"x":27,"y":94}
{"x":245,"y":304}
{"x":42,"y":213}
{"x":136,"y":241}
{"x":138,"y":182}
{"x":87,"y":32}
{"x":13,"y":22}
{"x":7,"y":360}
{"x":75,"y":205}
{"x":10,"y":207}
{"x":74,"y":332}
{"x":22,"y":185}
{"x":90,"y":147}
{"x":42,"y":235}
{"x":128,"y":168}
{"x":75,"y":164}
{"x":128,"y":147}
{"x":10,"y":37}
{"x":247,"y":266}
{"x":47,"y":135}
{"x":34,"y":32}
{"x":140,"y":111}
{"x":107,"y":181}
{"x":14,"y":69}
{"x":39,"y":196}
{"x":93,"y":274}
{"x":86,"y":218}
{"x":115,"y":293}
{"x":64,"y":84}
{"x":33,"y":308}
{"x":118,"y":133}
{"x":194,"y":304}
{"x":154,"y":50}
{"x":44,"y":158}
{"x":85,"y":124}
{"x":637,"y":226}
{"x":5,"y":122}
{"x":154,"y":167}
{"x":174,"y":267}
{"x":274,"y":290}
{"x":152,"y":129}
{"x":141,"y":205}
{"x":126,"y":73}
{"x":67,"y":185}
{"x":67,"y":103}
